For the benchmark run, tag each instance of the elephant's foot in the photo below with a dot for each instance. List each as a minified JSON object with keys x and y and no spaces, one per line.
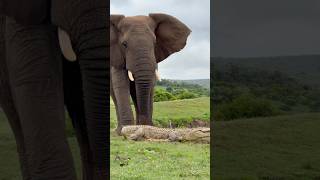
{"x":144,"y":120}
{"x":150,"y":123}
{"x":120,"y":126}
{"x":118,"y":130}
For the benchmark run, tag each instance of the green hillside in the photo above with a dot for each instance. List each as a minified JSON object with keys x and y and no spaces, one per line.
{"x":241,"y":90}
{"x":266,"y":112}
{"x":305,"y":68}
{"x":283,"y":147}
{"x":168,"y":89}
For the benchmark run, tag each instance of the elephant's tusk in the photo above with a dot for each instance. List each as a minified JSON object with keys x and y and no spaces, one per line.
{"x":65,"y":45}
{"x":158,"y":75}
{"x":130,"y":76}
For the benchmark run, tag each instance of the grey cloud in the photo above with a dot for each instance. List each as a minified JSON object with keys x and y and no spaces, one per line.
{"x":194,"y":60}
{"x":266,"y":28}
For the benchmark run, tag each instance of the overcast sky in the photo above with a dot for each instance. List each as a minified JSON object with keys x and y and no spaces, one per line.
{"x":266,"y":27}
{"x":192,"y":62}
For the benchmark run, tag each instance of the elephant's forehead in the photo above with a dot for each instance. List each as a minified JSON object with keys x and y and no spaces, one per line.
{"x":136,"y":20}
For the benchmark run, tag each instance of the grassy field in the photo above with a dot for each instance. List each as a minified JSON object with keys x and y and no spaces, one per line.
{"x":284,"y":147}
{"x":154,"y":160}
{"x":179,"y":112}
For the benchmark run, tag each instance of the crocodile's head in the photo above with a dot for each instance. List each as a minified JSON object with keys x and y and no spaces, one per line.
{"x":199,"y":135}
{"x":126,"y":131}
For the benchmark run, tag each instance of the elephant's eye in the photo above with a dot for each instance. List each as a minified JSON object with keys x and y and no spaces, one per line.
{"x":125,"y":44}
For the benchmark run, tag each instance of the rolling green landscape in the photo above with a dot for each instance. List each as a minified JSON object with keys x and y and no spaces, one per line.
{"x":266,"y":113}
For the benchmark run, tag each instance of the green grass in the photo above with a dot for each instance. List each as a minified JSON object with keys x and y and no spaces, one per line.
{"x":160,"y":160}
{"x":9,"y":164}
{"x":179,"y":112}
{"x":284,"y":146}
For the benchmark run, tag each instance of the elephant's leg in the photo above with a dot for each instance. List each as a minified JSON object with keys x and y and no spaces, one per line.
{"x":7,"y":104}
{"x":118,"y":129}
{"x":34,"y":66}
{"x":73,"y":98}
{"x":121,"y":91}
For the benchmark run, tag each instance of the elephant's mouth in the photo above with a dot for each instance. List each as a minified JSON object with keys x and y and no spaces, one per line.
{"x":131,"y":77}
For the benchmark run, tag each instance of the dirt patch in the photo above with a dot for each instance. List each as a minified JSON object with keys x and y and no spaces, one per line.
{"x":198,"y":123}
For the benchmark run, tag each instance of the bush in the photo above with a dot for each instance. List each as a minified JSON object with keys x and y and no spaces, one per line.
{"x":185,"y":94}
{"x":174,"y":87}
{"x":163,"y":95}
{"x":245,"y":106}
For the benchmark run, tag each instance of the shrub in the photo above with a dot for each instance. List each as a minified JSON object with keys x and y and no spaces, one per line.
{"x":185,"y":94}
{"x":163,"y":95}
{"x":245,"y":106}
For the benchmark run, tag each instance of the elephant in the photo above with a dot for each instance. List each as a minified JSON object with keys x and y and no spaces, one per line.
{"x":37,"y":82}
{"x":137,"y":45}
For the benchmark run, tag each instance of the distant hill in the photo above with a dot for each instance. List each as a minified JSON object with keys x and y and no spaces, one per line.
{"x":202,"y":82}
{"x":305,"y":68}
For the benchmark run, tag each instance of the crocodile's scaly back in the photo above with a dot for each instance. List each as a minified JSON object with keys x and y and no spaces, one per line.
{"x":140,"y":132}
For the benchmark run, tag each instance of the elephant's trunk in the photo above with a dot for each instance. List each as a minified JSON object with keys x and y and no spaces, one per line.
{"x":144,"y":83}
{"x":90,"y":39}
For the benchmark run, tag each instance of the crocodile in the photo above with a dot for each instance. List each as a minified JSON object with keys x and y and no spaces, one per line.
{"x":152,"y":133}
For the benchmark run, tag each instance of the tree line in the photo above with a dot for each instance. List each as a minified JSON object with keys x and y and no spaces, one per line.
{"x":169,"y":90}
{"x":243,"y":92}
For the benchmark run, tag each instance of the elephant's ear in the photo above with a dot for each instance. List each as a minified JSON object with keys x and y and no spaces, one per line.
{"x":116,"y":57}
{"x":171,"y":35}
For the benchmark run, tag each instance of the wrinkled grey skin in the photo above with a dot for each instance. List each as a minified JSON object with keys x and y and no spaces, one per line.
{"x":137,"y":44}
{"x":85,"y":23}
{"x":85,"y":89}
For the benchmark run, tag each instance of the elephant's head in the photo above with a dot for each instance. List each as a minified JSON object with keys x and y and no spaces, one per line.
{"x":137,"y":44}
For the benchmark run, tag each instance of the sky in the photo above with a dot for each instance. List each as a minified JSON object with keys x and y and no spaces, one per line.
{"x":265,"y":27}
{"x":192,"y":62}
